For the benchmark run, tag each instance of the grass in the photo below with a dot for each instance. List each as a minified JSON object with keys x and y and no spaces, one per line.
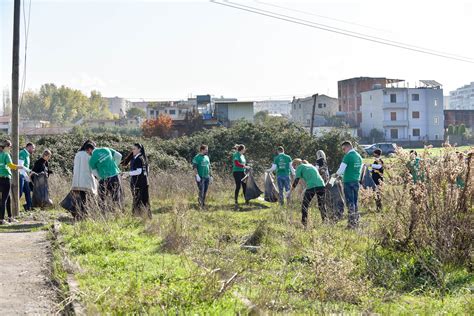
{"x":190,"y":261}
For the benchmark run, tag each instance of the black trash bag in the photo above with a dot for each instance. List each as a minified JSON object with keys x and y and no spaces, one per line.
{"x":271,"y":192}
{"x":69,"y":203}
{"x":335,"y":200}
{"x":41,"y":191}
{"x":367,"y":181}
{"x":252,"y":191}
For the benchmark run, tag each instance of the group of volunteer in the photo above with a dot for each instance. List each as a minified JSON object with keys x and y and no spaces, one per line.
{"x":96,"y":179}
{"x":317,"y":179}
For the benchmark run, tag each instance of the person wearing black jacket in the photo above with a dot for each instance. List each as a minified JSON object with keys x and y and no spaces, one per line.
{"x":138,"y":180}
{"x":40,"y":174}
{"x":377,"y":176}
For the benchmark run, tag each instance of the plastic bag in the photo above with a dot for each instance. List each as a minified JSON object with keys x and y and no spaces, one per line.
{"x":252,"y":191}
{"x":367,"y":181}
{"x":271,"y":192}
{"x":70,"y":203}
{"x":335,"y":200}
{"x":41,"y":191}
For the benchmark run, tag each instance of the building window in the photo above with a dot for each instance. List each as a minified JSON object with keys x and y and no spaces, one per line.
{"x":294,"y":106}
{"x":416,"y":132}
{"x":320,"y":105}
{"x":308,"y":122}
{"x":166,"y":111}
{"x":299,"y":106}
{"x":324,"y":105}
{"x":415,"y":97}
{"x":415,"y":114}
{"x":436,"y":120}
{"x":172,"y":112}
{"x":436,"y":136}
{"x":393,"y":98}
{"x":370,"y":115}
{"x":394,"y":133}
{"x":370,"y":97}
{"x":435,"y":102}
{"x":393,"y":116}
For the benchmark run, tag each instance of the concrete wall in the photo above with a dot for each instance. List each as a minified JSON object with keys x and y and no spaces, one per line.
{"x":301,"y":109}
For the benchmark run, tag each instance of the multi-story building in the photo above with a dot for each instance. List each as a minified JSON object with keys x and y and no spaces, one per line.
{"x":119,"y":106}
{"x":302,"y":109}
{"x":175,"y":109}
{"x":462,"y":98}
{"x":349,"y":95}
{"x":274,"y":107}
{"x":404,"y":114}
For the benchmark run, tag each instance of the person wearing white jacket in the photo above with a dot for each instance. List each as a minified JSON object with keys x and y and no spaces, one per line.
{"x":84,"y":183}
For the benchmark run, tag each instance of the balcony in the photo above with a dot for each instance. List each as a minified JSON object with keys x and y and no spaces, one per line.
{"x":397,"y":123}
{"x":397,"y":105}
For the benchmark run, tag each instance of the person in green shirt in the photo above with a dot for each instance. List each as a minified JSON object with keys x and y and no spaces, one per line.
{"x":283,"y":167}
{"x":239,"y":166}
{"x":351,"y":171}
{"x":202,"y":171}
{"x":414,"y":166}
{"x":104,"y":163}
{"x":6,"y":167}
{"x":25,"y":160}
{"x":314,"y":186}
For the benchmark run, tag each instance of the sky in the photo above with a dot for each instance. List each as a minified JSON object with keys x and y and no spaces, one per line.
{"x":176,"y":49}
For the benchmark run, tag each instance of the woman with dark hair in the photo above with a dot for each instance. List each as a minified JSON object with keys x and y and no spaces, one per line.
{"x":238,"y":170}
{"x":6,"y":167}
{"x":40,"y":176}
{"x":139,"y":180}
{"x":84,"y":184}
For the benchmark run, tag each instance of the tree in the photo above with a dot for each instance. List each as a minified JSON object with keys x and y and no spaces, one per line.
{"x":450,"y":129}
{"x":160,"y":126}
{"x":135,"y":112}
{"x":261,"y":117}
{"x":376,"y":135}
{"x":462,"y":129}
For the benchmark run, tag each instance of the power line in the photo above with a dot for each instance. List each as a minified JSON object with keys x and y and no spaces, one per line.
{"x":342,"y":31}
{"x":319,"y":16}
{"x":355,"y":33}
{"x":27,"y":33}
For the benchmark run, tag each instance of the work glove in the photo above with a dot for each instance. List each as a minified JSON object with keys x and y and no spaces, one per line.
{"x":198,"y":178}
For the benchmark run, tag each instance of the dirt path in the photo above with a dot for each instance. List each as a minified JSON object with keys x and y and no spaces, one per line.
{"x":24,"y":268}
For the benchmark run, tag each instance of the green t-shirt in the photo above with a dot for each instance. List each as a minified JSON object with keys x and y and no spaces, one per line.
{"x":103,"y":161}
{"x":5,"y":159}
{"x":240,"y":158}
{"x":203,"y":165}
{"x":414,"y":167}
{"x":282,"y":161}
{"x":25,"y":156}
{"x":310,"y":175}
{"x":354,"y":167}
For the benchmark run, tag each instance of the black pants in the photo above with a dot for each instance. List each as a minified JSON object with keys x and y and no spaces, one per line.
{"x":308,"y":196}
{"x":111,"y":189}
{"x":238,"y":176}
{"x":141,"y":200}
{"x":378,"y":196}
{"x":5,"y":186}
{"x":81,"y":201}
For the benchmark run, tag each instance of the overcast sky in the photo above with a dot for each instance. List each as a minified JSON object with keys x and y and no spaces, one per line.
{"x":172,"y":49}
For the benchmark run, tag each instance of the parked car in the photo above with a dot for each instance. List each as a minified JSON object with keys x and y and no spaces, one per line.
{"x":387,"y":148}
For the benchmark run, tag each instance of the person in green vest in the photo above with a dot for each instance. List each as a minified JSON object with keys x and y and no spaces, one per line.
{"x":314,"y":186}
{"x":414,"y":166}
{"x":25,"y":160}
{"x":6,"y":167}
{"x":104,"y":163}
{"x":283,"y":167}
{"x":239,"y":166}
{"x":351,"y":171}
{"x":202,"y":173}
{"x":460,"y":183}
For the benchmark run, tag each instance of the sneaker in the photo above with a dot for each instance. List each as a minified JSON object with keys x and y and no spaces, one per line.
{"x":236,"y":206}
{"x":3,"y":222}
{"x":12,"y":220}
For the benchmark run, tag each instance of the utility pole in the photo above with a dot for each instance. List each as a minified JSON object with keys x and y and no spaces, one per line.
{"x":315,"y":97}
{"x":15,"y":108}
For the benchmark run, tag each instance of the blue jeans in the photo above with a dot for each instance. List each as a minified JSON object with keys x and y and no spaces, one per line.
{"x":203,"y":185}
{"x":283,"y":183}
{"x":351,"y":192}
{"x":25,"y":188}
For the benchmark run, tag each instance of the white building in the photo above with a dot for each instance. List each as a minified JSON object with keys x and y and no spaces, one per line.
{"x":405,"y":114}
{"x":274,"y":107}
{"x":229,"y":112}
{"x":175,"y":109}
{"x":462,"y":98}
{"x":119,"y":106}
{"x":301,"y":109}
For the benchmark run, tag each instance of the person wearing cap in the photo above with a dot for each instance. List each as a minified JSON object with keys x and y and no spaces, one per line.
{"x":283,"y":167}
{"x":351,"y":171}
{"x":104,"y":162}
{"x":202,"y":173}
{"x":25,"y":160}
{"x":6,"y":167}
{"x":314,"y":186}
